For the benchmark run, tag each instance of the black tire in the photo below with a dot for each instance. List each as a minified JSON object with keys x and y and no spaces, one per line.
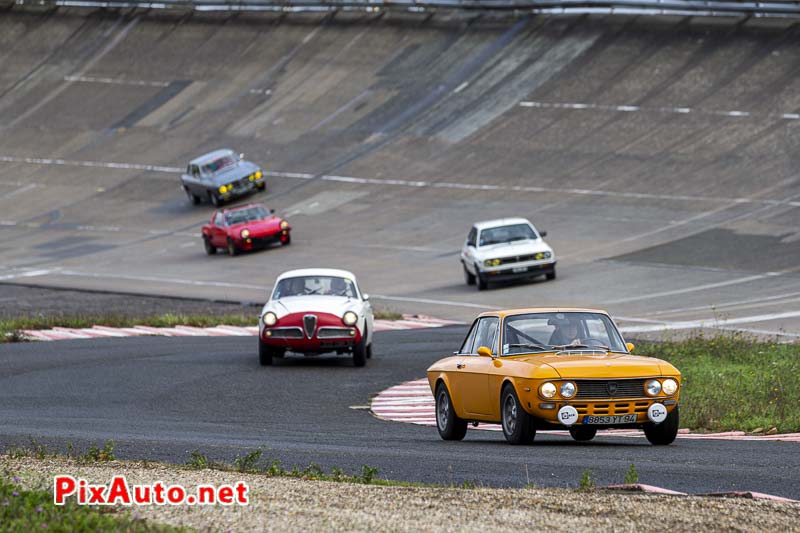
{"x":288,"y":240}
{"x":582,"y":434}
{"x":665,"y":432}
{"x":261,"y":187}
{"x":369,"y":351}
{"x":215,"y":200}
{"x":480,"y":280}
{"x":193,"y":198}
{"x":264,"y":354}
{"x":450,"y":426}
{"x":469,"y":278}
{"x":210,"y":249}
{"x":232,"y":250}
{"x":518,"y":426}
{"x":551,"y":275}
{"x":360,"y":352}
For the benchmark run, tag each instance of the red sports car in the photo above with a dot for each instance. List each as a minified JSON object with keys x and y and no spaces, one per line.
{"x":245,"y":228}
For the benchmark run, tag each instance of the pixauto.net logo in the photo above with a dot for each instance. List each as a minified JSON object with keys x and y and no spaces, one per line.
{"x":119,"y":491}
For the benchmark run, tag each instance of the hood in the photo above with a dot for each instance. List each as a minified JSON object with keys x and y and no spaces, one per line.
{"x":335,"y":305}
{"x":511,"y":249}
{"x":258,"y":227}
{"x":240,"y":170}
{"x":585,"y":366}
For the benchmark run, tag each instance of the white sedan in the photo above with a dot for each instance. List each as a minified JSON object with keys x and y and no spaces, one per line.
{"x":506,"y":249}
{"x":314,"y":311}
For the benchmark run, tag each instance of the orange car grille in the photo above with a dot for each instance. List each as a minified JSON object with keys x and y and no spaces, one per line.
{"x":611,"y":408}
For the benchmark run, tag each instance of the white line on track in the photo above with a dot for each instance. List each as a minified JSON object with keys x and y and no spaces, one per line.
{"x":703,"y":287}
{"x":654,"y":109}
{"x":116,"y":81}
{"x":21,"y":190}
{"x":709,"y":323}
{"x":26,"y":274}
{"x":417,"y":184}
{"x":436,"y":302}
{"x":790,"y":297}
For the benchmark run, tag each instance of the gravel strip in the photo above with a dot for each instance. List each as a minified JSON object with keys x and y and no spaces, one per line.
{"x":288,"y":504}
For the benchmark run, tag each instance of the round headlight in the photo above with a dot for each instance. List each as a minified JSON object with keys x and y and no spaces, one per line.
{"x":670,"y":386}
{"x":568,"y":390}
{"x":270,"y":318}
{"x":252,"y":177}
{"x":284,"y":224}
{"x":245,"y":233}
{"x":258,"y":174}
{"x":547,"y":255}
{"x":547,"y":390}
{"x":350,"y":318}
{"x":487,"y":263}
{"x":653,"y":387}
{"x":222,"y":189}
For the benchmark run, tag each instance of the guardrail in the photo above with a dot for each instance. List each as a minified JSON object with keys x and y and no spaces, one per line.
{"x":665,"y":7}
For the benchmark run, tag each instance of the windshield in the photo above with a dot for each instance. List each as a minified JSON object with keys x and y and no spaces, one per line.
{"x":219,"y":163}
{"x":322,"y":285}
{"x":240,"y":216}
{"x":538,"y":332}
{"x":515,"y":232}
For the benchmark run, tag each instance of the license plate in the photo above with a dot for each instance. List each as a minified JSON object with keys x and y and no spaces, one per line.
{"x":601,"y":420}
{"x":517,"y":270}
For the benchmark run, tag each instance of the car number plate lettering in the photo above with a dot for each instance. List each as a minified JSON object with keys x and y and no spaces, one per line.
{"x":600,"y":420}
{"x":517,"y":270}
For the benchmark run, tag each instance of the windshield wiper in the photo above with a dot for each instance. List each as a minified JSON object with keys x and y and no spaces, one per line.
{"x":581,"y":347}
{"x":535,"y":346}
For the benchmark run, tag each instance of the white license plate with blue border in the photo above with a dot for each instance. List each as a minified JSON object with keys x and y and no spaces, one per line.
{"x":606,"y":420}
{"x":517,"y":270}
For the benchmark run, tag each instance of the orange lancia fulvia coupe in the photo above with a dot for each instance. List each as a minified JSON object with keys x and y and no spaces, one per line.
{"x":530,"y":369}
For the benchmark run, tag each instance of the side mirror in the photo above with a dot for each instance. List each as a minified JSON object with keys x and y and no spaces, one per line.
{"x":365,"y":296}
{"x":241,"y":156}
{"x":483,"y":351}
{"x":630,"y":346}
{"x":271,"y":211}
{"x":542,"y":234}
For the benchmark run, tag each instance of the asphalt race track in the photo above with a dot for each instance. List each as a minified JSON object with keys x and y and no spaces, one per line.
{"x":162,"y":398}
{"x":660,"y":154}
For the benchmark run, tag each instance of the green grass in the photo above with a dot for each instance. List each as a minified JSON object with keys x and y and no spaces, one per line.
{"x":732,"y":382}
{"x":24,"y":510}
{"x":10,"y":330}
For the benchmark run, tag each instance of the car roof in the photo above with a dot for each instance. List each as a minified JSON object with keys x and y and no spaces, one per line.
{"x":211,"y":156}
{"x":500,"y":222}
{"x":333,"y":272}
{"x":524,"y":311}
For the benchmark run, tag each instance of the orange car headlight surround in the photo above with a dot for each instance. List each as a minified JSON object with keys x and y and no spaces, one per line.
{"x":547,"y":390}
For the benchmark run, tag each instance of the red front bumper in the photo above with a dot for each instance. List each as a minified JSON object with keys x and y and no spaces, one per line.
{"x":260,"y":241}
{"x":329,"y":334}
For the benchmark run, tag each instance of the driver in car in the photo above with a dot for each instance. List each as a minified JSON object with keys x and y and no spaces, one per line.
{"x":566,"y":333}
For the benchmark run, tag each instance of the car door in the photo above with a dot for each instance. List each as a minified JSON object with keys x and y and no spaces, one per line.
{"x":193,"y":180}
{"x":219,"y":236}
{"x":468,"y":251}
{"x":470,"y":379}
